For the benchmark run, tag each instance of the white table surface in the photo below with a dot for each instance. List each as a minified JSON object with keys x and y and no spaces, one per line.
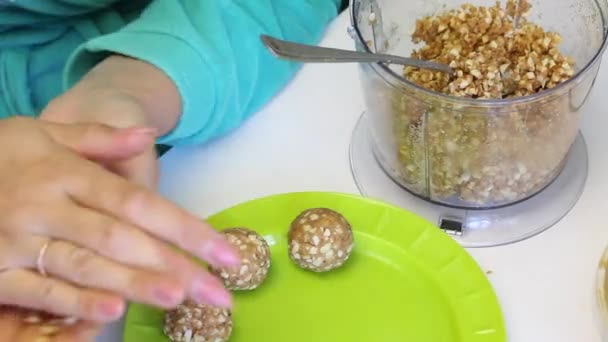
{"x":545,"y":284}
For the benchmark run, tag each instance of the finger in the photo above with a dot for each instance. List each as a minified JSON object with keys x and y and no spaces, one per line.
{"x":31,"y":290}
{"x":159,"y":217}
{"x":8,"y":257}
{"x":141,"y":169}
{"x":84,"y":268}
{"x":115,"y":239}
{"x":102,"y":142}
{"x":143,"y":269}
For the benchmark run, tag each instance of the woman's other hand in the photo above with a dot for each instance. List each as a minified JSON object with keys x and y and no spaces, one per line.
{"x":78,"y":240}
{"x":112,"y":107}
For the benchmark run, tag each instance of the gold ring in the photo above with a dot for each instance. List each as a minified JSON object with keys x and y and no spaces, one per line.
{"x":40,"y":259}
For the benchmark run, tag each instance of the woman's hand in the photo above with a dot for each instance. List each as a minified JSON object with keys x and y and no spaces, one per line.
{"x":122,"y":92}
{"x":19,"y":325}
{"x":116,"y":109}
{"x":97,"y":238}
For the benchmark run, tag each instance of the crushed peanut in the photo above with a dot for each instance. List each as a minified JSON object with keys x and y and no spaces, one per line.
{"x":492,"y":58}
{"x":471,"y":155}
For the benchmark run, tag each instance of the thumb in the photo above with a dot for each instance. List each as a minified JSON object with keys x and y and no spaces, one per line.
{"x":102,"y":142}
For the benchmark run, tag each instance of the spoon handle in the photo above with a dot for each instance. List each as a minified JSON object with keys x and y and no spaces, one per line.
{"x":316,"y":54}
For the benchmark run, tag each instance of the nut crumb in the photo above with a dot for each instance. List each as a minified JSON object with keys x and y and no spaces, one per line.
{"x":479,"y":41}
{"x":468,"y":155}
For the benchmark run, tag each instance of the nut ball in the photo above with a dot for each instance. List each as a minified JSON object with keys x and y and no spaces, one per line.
{"x":255,"y":260}
{"x":320,"y":240}
{"x":191,"y":322}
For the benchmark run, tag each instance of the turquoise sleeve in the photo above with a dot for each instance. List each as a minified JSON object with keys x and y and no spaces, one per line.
{"x":212,"y":51}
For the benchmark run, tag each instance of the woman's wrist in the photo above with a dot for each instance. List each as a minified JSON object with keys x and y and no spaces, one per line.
{"x":121,"y":85}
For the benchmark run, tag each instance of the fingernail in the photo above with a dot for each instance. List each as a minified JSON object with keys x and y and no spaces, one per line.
{"x":167,"y":296}
{"x":212,"y":291}
{"x":221,"y":253}
{"x":111,"y":309}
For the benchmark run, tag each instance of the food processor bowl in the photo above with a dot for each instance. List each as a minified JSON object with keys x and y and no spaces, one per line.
{"x":474,"y":153}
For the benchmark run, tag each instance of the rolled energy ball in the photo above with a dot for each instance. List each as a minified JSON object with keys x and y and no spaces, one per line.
{"x":191,"y":322}
{"x":320,"y":240}
{"x":255,"y":260}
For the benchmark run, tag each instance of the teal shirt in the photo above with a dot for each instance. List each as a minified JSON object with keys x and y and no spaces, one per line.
{"x":209,"y":48}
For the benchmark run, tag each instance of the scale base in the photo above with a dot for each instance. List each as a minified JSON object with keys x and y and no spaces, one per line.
{"x":475,"y":227}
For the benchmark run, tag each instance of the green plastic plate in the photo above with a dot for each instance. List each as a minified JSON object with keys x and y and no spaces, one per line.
{"x":405,"y":281}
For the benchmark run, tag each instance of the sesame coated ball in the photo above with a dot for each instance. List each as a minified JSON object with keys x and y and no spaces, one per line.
{"x":255,"y":260}
{"x":320,"y":240}
{"x":191,"y":322}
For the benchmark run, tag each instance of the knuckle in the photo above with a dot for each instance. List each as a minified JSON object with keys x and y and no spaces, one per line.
{"x":7,"y":258}
{"x":134,"y":201}
{"x":47,"y":289}
{"x":47,"y":294}
{"x":184,"y":232}
{"x":108,"y":236}
{"x":186,"y":238}
{"x":81,"y":263}
{"x":8,"y":283}
{"x":85,"y":303}
{"x":19,"y":217}
{"x":90,"y":130}
{"x":25,"y":215}
{"x":137,"y":282}
{"x":47,"y":170}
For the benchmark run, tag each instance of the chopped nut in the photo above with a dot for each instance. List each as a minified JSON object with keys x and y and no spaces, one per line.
{"x":489,"y":45}
{"x":452,"y":154}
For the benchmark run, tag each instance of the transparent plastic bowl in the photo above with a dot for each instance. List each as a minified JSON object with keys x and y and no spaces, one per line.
{"x":472,"y":153}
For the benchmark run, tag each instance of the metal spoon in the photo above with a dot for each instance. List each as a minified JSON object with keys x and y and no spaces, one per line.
{"x":315,"y":54}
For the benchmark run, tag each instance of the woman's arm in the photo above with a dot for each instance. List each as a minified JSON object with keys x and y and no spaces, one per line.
{"x":125,"y":79}
{"x":197,"y":67}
